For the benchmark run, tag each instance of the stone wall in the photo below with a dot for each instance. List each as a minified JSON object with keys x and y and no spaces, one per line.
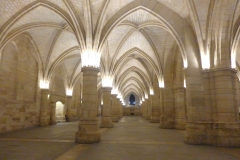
{"x":75,"y":109}
{"x":132,"y":111}
{"x":19,"y":92}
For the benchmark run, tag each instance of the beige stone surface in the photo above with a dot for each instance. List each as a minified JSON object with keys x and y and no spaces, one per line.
{"x":185,"y":51}
{"x":106,"y":121}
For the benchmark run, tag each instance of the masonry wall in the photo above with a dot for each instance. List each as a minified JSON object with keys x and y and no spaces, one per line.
{"x":19,"y":92}
{"x":75,"y":109}
{"x":131,"y":111}
{"x":57,"y":91}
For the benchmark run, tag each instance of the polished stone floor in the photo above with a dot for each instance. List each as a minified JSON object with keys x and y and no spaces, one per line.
{"x":133,"y":138}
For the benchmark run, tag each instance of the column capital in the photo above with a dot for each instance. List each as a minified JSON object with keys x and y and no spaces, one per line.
{"x":179,"y":89}
{"x":219,"y":69}
{"x":44,"y":90}
{"x":106,"y":89}
{"x":90,"y":69}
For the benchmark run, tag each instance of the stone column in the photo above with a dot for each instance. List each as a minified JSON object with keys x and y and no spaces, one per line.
{"x":79,"y":110}
{"x":161,"y":103}
{"x":118,"y":108}
{"x":149,"y":107}
{"x":121,"y":110}
{"x":168,"y":109}
{"x":155,"y":102}
{"x":107,"y":110}
{"x":53,"y":113}
{"x":221,"y":127}
{"x":146,"y":110}
{"x":45,"y":108}
{"x":68,"y":108}
{"x":180,"y":108}
{"x":88,"y":129}
{"x":114,"y":108}
{"x":143,"y":109}
{"x":155,"y":106}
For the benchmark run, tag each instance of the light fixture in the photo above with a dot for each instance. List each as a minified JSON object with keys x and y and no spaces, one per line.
{"x":44,"y":84}
{"x":161,"y":83}
{"x":233,"y":60}
{"x":114,"y":91}
{"x":146,"y":96}
{"x":151,"y":91}
{"x":69,"y":92}
{"x":107,"y":81}
{"x":184,"y":83}
{"x":90,"y":58}
{"x":205,"y":61}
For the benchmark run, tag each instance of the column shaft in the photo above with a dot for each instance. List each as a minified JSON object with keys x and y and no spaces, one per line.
{"x":118,"y":108}
{"x":219,"y":126}
{"x":168,"y":109}
{"x":45,"y":108}
{"x":114,"y":108}
{"x":155,"y":106}
{"x":149,"y":107}
{"x":68,"y":108}
{"x":88,"y":129}
{"x":107,"y":111}
{"x":53,"y":113}
{"x":180,"y":108}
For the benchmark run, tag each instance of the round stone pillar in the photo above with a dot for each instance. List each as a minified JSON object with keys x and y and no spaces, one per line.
{"x":53,"y":113}
{"x":68,"y":108}
{"x":45,"y":108}
{"x":180,"y":108}
{"x":149,"y":107}
{"x":121,"y":110}
{"x":106,"y":111}
{"x":161,"y":103}
{"x":146,"y":108}
{"x":218,"y":123}
{"x":155,"y":109}
{"x":114,"y":107}
{"x":118,"y":108}
{"x":88,"y":129}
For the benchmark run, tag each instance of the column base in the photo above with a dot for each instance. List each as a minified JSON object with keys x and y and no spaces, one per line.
{"x":115,"y":119}
{"x":88,"y":131}
{"x":180,"y":123}
{"x":53,"y":123}
{"x":166,"y":124}
{"x":44,"y":122}
{"x":87,"y":137}
{"x":154,"y":119}
{"x":216,"y":134}
{"x":106,"y":122}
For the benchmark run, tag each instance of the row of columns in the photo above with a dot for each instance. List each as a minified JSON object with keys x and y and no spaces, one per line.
{"x":211,"y":117}
{"x":48,"y":108}
{"x":170,"y":113}
{"x":89,"y":127}
{"x":216,"y":124}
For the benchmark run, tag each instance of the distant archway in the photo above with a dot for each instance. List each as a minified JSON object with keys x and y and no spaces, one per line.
{"x":132,"y":100}
{"x":60,"y":116}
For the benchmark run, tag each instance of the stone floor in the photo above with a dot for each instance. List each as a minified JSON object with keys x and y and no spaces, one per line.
{"x":131,"y":138}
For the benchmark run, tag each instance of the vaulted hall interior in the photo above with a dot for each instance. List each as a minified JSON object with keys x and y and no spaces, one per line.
{"x":175,"y":63}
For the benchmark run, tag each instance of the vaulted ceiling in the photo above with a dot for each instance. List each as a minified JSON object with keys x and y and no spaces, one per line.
{"x":135,"y":42}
